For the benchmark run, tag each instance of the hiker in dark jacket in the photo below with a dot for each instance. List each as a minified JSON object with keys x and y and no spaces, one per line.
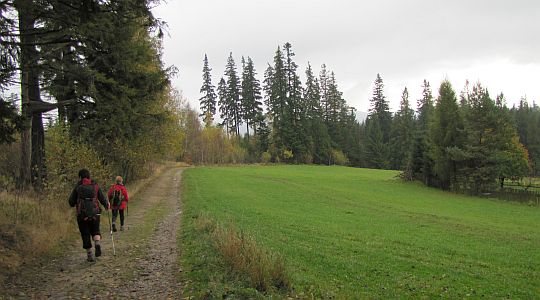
{"x":118,"y":197}
{"x":87,"y":196}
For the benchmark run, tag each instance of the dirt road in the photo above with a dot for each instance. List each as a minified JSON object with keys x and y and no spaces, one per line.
{"x":145,"y":265}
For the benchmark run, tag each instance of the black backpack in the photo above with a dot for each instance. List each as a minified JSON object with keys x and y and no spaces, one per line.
{"x":87,"y":202}
{"x":117,"y":197}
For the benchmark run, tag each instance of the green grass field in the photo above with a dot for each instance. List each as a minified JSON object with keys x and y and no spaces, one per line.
{"x":360,"y":233}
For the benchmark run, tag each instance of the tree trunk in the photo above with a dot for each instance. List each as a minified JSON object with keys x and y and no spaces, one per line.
{"x":25,"y":24}
{"x":32,"y":152}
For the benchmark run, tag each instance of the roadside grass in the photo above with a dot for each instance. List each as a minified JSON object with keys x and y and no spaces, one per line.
{"x":361,"y":233}
{"x":220,"y":262}
{"x":30,"y":225}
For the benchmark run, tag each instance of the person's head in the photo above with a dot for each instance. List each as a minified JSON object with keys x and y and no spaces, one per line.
{"x":119,"y":179}
{"x":84,"y":173}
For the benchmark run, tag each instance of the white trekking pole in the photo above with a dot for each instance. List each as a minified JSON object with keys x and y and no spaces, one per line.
{"x":110,"y":228}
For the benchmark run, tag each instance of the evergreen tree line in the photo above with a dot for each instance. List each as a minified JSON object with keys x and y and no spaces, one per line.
{"x":469,"y":144}
{"x":309,"y":123}
{"x":99,"y":64}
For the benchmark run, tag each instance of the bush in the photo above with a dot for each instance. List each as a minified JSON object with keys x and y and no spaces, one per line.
{"x":339,"y":158}
{"x":287,"y":154}
{"x":65,"y":157}
{"x":10,"y":162}
{"x":266,"y":157}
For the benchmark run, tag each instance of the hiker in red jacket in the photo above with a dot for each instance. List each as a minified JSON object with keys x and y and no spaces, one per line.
{"x":87,"y":196}
{"x":118,"y":196}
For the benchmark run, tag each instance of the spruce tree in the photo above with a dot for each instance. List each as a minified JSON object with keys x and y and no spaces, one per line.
{"x":380,"y":108}
{"x":317,"y":132}
{"x":251,"y":96}
{"x":267,"y":88}
{"x":93,"y":56}
{"x":294,"y":134}
{"x":223,"y":105}
{"x":276,"y":89}
{"x":338,"y":114}
{"x":312,"y":95}
{"x":376,"y":150}
{"x":491,"y":150}
{"x":352,"y":136}
{"x":421,"y":164}
{"x":233,"y":102}
{"x":447,"y":136}
{"x":378,"y":128}
{"x":402,"y":134}
{"x":208,"y":100}
{"x":324,"y":78}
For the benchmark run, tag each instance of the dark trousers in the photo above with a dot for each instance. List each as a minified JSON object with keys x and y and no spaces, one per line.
{"x":115,"y":214}
{"x":88,"y":228}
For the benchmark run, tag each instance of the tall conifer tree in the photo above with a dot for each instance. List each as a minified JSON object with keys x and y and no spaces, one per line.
{"x":421,"y":164}
{"x":402,"y":135}
{"x":293,"y":128}
{"x":380,"y":108}
{"x":447,"y":136}
{"x":324,"y":79}
{"x":319,"y":140}
{"x":378,"y":128}
{"x":223,"y":105}
{"x":251,"y":95}
{"x":232,"y":100}
{"x":276,"y":87}
{"x":208,"y":100}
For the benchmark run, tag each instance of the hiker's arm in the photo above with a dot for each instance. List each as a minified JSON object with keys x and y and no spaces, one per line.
{"x":73,"y":198}
{"x":102,"y":199}
{"x":109,"y":193}
{"x":124,"y":191}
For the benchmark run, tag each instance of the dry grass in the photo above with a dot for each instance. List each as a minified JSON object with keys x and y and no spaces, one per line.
{"x":265,"y":270}
{"x":30,"y":225}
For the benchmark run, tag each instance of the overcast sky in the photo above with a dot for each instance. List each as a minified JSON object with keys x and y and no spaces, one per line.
{"x":496,"y":42}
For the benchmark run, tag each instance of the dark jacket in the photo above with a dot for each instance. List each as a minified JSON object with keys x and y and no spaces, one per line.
{"x":85,"y":181}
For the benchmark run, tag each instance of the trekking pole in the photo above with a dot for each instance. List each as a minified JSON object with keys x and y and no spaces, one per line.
{"x":110,"y":228}
{"x":127,"y":211}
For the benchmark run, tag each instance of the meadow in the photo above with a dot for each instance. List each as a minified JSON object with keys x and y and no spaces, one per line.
{"x":360,"y":233}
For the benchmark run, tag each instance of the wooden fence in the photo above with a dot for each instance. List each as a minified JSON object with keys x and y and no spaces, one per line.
{"x":524,"y":196}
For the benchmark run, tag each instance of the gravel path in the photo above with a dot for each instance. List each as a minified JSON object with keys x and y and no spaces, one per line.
{"x":145,"y":265}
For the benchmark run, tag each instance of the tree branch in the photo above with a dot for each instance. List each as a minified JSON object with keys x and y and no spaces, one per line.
{"x":42,"y":106}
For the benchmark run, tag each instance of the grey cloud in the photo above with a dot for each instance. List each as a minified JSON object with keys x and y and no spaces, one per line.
{"x":401,"y":40}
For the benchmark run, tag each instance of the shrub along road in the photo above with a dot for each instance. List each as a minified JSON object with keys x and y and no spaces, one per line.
{"x":145,"y":264}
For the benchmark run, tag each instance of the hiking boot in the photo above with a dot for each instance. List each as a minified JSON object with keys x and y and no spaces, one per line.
{"x":122,"y":228}
{"x":90,"y":257}
{"x":98,"y":250}
{"x":113,"y":227}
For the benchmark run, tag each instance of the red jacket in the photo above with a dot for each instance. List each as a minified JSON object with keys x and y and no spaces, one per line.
{"x":122,"y":188}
